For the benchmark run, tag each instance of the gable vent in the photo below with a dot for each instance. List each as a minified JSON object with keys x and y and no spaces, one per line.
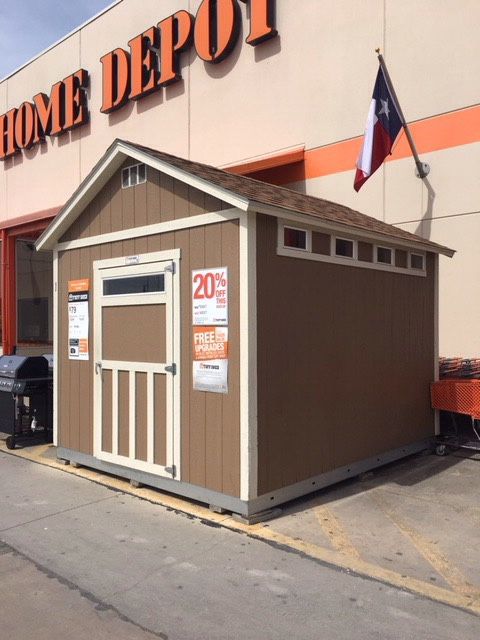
{"x":133,"y":175}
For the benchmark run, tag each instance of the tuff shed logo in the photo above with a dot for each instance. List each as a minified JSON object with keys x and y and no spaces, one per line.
{"x":151,"y":62}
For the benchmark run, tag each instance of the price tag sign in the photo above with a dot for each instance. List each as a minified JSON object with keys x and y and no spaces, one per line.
{"x":210,"y":297}
{"x":78,"y":320}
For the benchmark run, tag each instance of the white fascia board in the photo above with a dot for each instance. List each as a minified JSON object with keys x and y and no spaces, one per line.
{"x":232,"y":198}
{"x":305,"y":218}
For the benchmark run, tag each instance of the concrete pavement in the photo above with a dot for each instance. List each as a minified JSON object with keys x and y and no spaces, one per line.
{"x":419,"y":517}
{"x":157,"y":571}
{"x":412,"y":524}
{"x":35,"y":603}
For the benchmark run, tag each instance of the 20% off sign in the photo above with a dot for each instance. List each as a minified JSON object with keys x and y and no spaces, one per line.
{"x":210,"y":296}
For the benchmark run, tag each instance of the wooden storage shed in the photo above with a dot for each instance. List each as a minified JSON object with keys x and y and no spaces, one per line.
{"x":231,"y":341}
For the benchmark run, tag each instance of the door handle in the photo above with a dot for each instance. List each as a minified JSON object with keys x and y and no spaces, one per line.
{"x":98,"y":367}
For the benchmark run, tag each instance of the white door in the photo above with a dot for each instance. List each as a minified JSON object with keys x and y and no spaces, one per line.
{"x":136,"y":348}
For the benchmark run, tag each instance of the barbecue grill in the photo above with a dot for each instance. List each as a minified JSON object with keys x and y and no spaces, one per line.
{"x":26,"y":397}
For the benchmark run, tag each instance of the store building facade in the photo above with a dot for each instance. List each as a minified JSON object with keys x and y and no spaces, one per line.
{"x":277,"y":90}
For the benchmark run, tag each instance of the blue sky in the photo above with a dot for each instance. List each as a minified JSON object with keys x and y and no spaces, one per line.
{"x":27,"y":27}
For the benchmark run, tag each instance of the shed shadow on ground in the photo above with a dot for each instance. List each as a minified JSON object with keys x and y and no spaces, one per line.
{"x":407,"y":472}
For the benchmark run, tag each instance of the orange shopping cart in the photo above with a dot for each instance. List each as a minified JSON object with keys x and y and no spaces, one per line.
{"x":457,"y":395}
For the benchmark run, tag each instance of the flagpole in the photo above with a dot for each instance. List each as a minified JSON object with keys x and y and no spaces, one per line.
{"x":423,"y":169}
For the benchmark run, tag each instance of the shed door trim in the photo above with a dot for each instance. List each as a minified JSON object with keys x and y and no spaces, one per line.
{"x":165,"y":263}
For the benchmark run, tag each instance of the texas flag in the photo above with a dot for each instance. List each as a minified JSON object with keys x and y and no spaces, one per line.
{"x":384,"y":126}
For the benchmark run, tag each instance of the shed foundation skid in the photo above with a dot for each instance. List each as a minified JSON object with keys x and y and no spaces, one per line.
{"x":245,"y":509}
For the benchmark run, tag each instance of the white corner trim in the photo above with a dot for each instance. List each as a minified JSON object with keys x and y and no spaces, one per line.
{"x":248,"y":360}
{"x":152,"y":229}
{"x":177,"y":358}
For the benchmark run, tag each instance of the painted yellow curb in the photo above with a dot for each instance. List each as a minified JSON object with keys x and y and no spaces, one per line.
{"x":341,"y":560}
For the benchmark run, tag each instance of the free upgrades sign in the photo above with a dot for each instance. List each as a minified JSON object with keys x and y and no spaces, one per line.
{"x":210,"y":330}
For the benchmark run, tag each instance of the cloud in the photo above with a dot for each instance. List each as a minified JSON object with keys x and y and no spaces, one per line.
{"x":27,"y":27}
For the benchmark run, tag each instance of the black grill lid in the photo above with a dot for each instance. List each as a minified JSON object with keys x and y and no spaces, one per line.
{"x":49,"y":358}
{"x":22,"y":367}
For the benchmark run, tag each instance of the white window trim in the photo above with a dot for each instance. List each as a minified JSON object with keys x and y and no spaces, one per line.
{"x":127,"y":277}
{"x":129,"y":168}
{"x":333,"y":248}
{"x":344,"y":260}
{"x":281,"y":238}
{"x":318,"y":257}
{"x":151,"y":229}
{"x":376,"y":247}
{"x":420,"y":255}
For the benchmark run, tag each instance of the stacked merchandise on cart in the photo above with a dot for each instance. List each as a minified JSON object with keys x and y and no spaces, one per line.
{"x":457,"y":396}
{"x":459,"y":368}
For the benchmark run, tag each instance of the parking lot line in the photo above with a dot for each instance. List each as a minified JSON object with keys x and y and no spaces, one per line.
{"x":335,"y":532}
{"x":429,"y":551}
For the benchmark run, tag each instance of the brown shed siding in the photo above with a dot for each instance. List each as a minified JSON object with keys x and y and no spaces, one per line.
{"x":345,"y":357}
{"x":141,"y":416}
{"x":401,"y":258}
{"x":321,"y":243}
{"x":210,"y":423}
{"x":131,"y":345}
{"x":365,"y":251}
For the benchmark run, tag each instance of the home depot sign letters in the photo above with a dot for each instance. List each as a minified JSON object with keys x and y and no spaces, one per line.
{"x":151,"y":62}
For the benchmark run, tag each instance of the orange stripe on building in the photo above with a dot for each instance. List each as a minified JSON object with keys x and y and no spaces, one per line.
{"x":36,"y":216}
{"x":271,"y":161}
{"x":431,"y":134}
{"x":442,"y":132}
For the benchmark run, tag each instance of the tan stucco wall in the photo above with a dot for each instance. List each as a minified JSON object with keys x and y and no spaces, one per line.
{"x":311,"y":86}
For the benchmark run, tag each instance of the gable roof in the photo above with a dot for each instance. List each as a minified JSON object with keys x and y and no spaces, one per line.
{"x":240,"y":191}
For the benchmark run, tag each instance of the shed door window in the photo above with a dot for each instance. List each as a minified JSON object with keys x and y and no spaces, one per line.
{"x":134,"y":284}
